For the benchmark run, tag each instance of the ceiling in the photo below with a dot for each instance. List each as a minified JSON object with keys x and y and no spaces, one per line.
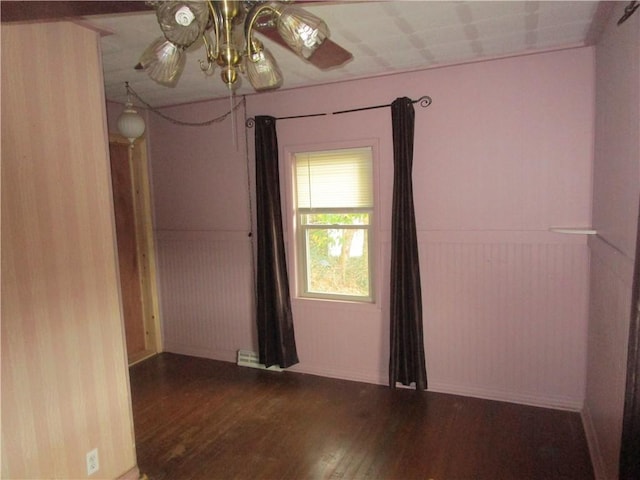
{"x":385,"y":37}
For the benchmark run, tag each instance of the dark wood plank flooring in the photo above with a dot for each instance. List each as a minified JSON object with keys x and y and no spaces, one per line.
{"x":203,"y":419}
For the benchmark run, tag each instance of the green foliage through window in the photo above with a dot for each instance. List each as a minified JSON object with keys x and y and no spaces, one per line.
{"x":338,"y":258}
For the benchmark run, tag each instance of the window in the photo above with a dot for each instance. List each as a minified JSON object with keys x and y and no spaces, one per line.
{"x":334,"y":210}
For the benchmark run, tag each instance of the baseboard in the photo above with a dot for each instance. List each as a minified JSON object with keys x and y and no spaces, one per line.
{"x":557,"y":403}
{"x":339,"y":374}
{"x":213,"y":354}
{"x":140,"y":357}
{"x":593,"y":444}
{"x":133,"y":474}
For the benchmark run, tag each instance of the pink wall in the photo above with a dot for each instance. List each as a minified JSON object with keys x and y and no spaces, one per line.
{"x":200,"y":184}
{"x":200,"y":173}
{"x":615,"y":201}
{"x":504,"y":153}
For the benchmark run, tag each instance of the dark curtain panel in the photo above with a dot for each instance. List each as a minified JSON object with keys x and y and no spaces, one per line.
{"x":407,"y":360}
{"x":630,"y":448}
{"x":277,"y":345}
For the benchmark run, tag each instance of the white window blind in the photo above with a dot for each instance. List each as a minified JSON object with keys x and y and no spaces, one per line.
{"x":334,"y":179}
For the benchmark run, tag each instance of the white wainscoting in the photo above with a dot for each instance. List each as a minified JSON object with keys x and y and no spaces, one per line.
{"x":505,"y":315}
{"x":207,"y":293}
{"x":610,"y":313}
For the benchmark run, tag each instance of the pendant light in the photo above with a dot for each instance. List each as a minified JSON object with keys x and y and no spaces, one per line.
{"x":130,"y":123}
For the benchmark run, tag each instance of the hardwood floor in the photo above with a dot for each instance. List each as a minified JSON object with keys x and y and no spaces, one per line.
{"x":203,"y":419}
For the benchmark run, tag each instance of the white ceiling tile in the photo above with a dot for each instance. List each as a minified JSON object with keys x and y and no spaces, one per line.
{"x":422,"y":15}
{"x":383,"y":36}
{"x":482,"y":10}
{"x":392,"y":45}
{"x":451,"y":52}
{"x":560,"y":13}
{"x":500,"y":26}
{"x":442,"y":35}
{"x":567,"y":34}
{"x":504,"y":44}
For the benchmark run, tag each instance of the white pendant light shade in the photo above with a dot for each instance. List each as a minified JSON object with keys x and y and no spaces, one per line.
{"x":303,"y":31}
{"x":130,"y":123}
{"x":263,"y":71}
{"x":163,"y":61}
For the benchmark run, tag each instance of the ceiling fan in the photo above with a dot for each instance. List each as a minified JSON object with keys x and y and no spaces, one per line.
{"x":222,"y":26}
{"x":226,"y":29}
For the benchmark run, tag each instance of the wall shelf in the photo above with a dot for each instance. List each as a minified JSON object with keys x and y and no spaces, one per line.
{"x":573,"y":231}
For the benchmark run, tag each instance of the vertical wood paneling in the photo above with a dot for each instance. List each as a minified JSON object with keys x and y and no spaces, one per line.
{"x":610,"y":305}
{"x":206,"y":293}
{"x":504,"y":317}
{"x":128,"y":256}
{"x":506,"y":320}
{"x":64,"y":377}
{"x":339,"y":342}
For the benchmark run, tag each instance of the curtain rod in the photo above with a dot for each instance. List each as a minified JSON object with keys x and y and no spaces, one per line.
{"x":424,"y":101}
{"x":628,"y":11}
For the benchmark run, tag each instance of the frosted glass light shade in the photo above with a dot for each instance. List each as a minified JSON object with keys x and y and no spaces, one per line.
{"x":263,"y":71}
{"x":163,"y":61}
{"x":182,"y":22}
{"x":130,"y":123}
{"x":303,"y":31}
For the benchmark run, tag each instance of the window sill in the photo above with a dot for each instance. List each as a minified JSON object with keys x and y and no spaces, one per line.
{"x":335,"y":304}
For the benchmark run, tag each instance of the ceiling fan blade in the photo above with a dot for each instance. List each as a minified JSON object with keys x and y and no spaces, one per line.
{"x":16,"y":11}
{"x":328,"y":55}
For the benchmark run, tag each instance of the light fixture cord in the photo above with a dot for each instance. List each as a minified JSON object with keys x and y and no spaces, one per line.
{"x":250,"y":211}
{"x":183,"y":123}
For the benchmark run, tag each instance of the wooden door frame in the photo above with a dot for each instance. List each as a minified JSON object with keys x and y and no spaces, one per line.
{"x":145,"y":243}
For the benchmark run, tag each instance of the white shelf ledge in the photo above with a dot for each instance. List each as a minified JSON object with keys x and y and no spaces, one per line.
{"x":573,"y":231}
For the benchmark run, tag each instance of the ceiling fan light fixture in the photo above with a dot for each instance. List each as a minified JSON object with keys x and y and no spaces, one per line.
{"x":263,"y":71}
{"x":226,"y":28}
{"x":303,"y":31}
{"x":182,"y":22}
{"x":163,"y":61}
{"x":230,"y":77}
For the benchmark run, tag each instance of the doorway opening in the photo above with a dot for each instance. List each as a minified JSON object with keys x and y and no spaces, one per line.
{"x":136,"y":250}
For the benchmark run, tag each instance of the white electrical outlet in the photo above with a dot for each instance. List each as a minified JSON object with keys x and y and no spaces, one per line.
{"x":93,"y":465}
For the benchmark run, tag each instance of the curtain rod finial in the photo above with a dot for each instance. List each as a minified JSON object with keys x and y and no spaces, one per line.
{"x":424,"y":101}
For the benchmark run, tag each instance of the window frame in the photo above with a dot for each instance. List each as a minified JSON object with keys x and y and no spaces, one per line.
{"x":301,"y":247}
{"x":297,"y":235}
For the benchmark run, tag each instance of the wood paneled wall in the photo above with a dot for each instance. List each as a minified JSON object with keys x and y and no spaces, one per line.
{"x":65,"y":387}
{"x":207,"y":285}
{"x":507,"y":315}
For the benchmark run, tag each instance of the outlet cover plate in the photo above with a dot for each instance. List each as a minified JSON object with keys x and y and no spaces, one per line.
{"x":93,"y":465}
